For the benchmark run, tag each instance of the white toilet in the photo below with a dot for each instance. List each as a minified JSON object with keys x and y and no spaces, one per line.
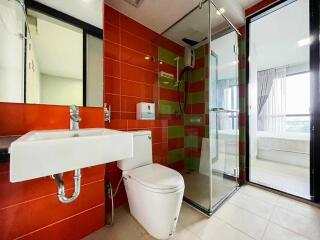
{"x":154,"y":192}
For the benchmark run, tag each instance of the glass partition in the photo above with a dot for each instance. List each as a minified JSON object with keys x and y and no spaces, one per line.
{"x":223,"y":107}
{"x":197,"y":77}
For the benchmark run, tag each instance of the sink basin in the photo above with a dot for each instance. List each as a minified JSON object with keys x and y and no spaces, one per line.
{"x":44,"y":153}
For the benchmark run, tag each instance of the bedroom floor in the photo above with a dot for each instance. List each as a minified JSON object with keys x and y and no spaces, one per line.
{"x":284,"y":177}
{"x":275,"y":218}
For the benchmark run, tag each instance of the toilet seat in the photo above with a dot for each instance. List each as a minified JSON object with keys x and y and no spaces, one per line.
{"x":157,"y":178}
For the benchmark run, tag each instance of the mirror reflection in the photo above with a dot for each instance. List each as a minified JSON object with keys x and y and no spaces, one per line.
{"x":60,"y":60}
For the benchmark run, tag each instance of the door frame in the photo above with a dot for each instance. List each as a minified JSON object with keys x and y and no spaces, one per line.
{"x":314,"y":8}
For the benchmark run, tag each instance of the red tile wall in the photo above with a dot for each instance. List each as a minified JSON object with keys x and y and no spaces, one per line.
{"x":259,"y":6}
{"x":31,"y":209}
{"x":129,"y":79}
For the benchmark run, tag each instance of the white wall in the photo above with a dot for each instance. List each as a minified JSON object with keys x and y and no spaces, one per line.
{"x":11,"y":50}
{"x":94,"y":72}
{"x":60,"y":91}
{"x":89,"y":11}
{"x":33,"y":75}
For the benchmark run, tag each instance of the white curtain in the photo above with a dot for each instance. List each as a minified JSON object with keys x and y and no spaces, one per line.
{"x":272,"y":117}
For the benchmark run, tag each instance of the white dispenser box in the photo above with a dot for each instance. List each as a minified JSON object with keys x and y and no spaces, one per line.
{"x":145,"y":111}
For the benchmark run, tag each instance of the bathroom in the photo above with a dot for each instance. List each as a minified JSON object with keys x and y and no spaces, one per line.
{"x":116,"y":122}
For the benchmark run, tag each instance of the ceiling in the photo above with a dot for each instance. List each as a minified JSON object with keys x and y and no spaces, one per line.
{"x":89,"y":11}
{"x":159,"y":15}
{"x":274,"y":38}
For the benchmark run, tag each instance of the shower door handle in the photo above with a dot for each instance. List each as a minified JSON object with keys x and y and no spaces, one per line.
{"x":224,"y":110}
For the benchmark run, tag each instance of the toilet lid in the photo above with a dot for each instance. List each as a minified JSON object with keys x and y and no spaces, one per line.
{"x":156,"y":176}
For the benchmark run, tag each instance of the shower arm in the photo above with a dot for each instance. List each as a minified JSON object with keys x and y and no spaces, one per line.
{"x":23,"y":6}
{"x":234,"y":28}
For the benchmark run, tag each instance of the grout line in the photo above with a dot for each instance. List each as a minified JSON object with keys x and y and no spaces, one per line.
{"x":274,"y":209}
{"x":132,"y":65}
{"x":265,"y":230}
{"x":62,"y":220}
{"x":48,"y":195}
{"x":237,"y":229}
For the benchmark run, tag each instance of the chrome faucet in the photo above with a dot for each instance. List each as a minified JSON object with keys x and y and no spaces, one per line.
{"x":75,"y":118}
{"x":107,"y":113}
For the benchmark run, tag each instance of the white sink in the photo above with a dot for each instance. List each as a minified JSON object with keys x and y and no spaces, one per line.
{"x":44,"y":153}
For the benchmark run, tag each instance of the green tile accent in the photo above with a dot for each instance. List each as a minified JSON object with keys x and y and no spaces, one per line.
{"x":197,"y":75}
{"x":206,"y":107}
{"x":242,"y":134}
{"x":242,"y":76}
{"x":206,"y":131}
{"x":242,"y":161}
{"x":193,"y":119}
{"x":167,"y":56}
{"x":192,"y":141}
{"x":168,"y":107}
{"x":242,"y":104}
{"x":175,"y":155}
{"x":206,"y":84}
{"x":199,"y":52}
{"x":242,"y":47}
{"x":196,"y":97}
{"x":206,"y":60}
{"x":170,"y":84}
{"x":176,"y":131}
{"x":191,"y":164}
{"x":181,"y":63}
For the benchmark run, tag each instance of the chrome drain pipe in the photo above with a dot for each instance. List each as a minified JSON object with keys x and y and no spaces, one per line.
{"x":61,"y":191}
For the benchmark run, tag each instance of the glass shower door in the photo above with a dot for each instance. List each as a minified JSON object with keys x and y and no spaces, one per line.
{"x":223,"y":109}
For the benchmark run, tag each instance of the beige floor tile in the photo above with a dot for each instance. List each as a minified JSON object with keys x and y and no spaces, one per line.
{"x":259,"y":194}
{"x":125,"y":227}
{"x":215,"y":228}
{"x":275,"y":232}
{"x":251,"y":213}
{"x":297,"y":223}
{"x":299,"y":207}
{"x":242,"y":220}
{"x":181,"y":234}
{"x":255,"y":206}
{"x":189,"y":216}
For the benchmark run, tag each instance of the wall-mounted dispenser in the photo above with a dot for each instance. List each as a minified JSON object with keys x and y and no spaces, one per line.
{"x":145,"y":111}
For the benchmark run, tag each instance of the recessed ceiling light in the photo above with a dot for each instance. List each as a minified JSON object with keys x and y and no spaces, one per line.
{"x":147,"y":58}
{"x":220,"y":11}
{"x":161,"y":62}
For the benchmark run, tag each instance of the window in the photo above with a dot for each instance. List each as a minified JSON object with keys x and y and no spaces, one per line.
{"x":287,"y":106}
{"x":298,"y":103}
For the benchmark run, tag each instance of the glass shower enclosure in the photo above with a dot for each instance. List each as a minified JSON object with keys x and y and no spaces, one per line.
{"x":201,"y":74}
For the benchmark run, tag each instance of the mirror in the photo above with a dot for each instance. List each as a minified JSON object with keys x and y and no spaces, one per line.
{"x":57,"y":58}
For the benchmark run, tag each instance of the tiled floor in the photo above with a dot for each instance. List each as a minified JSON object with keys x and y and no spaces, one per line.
{"x":251,"y":213}
{"x":284,"y":177}
{"x":198,"y":188}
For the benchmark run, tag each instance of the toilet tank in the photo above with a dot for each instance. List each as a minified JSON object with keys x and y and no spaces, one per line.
{"x":142,"y":151}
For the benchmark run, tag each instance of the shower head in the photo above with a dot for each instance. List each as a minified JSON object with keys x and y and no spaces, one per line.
{"x":190,"y":42}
